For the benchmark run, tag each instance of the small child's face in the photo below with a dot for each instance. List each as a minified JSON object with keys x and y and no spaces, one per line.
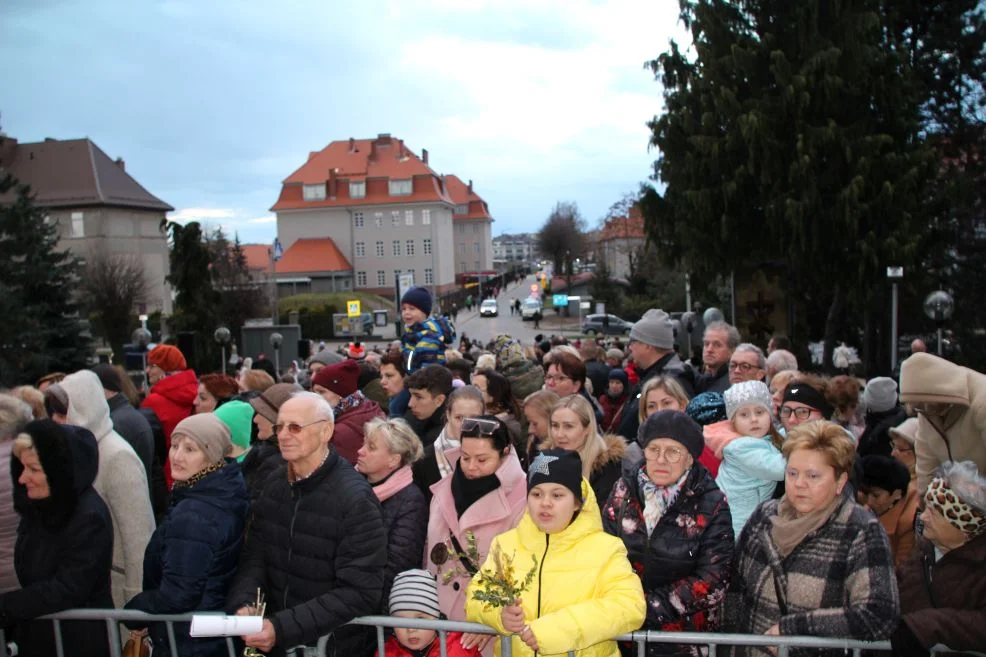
{"x":411,"y":315}
{"x":414,"y":639}
{"x":615,"y":387}
{"x":752,"y":420}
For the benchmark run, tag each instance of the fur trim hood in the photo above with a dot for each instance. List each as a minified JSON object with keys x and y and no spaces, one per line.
{"x":616,"y":447}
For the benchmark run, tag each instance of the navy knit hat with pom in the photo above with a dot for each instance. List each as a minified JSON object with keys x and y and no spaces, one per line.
{"x":418,"y":297}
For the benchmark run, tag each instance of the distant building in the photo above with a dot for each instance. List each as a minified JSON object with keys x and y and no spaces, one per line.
{"x":620,"y":241}
{"x":515,"y":249}
{"x":375,"y":206}
{"x":98,"y":207}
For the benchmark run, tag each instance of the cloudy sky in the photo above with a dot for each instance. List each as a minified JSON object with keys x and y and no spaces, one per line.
{"x":212,"y":103}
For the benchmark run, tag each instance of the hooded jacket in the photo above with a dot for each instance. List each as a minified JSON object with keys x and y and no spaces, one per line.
{"x":64,"y":548}
{"x":172,"y":400}
{"x":491,"y":515}
{"x":8,"y":521}
{"x":347,"y":437}
{"x":121,"y":482}
{"x":584,"y":591}
{"x":192,"y":557}
{"x":961,"y":434}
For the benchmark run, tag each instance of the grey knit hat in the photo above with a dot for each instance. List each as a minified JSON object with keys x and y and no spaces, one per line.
{"x":415,"y":590}
{"x":326,"y":357}
{"x":746,"y":393}
{"x":880,"y":395}
{"x":655,"y":329}
{"x":208,"y":432}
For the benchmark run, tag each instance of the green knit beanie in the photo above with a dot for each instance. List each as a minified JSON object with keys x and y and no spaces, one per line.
{"x":238,"y":416}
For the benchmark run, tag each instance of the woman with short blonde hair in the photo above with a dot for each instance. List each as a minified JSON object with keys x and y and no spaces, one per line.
{"x":670,"y":386}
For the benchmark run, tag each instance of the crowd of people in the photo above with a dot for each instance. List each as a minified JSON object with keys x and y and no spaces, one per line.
{"x":615,"y":487}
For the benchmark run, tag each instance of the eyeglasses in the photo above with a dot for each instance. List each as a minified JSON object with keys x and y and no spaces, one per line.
{"x":802,"y":412}
{"x":294,"y":428}
{"x":556,"y":378}
{"x":479,"y":425}
{"x":671,"y":454}
{"x":745,"y":368}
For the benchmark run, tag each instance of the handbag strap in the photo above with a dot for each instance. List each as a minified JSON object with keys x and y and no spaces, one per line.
{"x":466,"y":563}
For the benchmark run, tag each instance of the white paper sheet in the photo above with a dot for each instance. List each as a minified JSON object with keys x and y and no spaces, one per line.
{"x":206,"y":625}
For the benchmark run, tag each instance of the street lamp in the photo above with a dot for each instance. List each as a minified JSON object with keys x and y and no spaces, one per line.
{"x":894,"y":274}
{"x":275,"y":341}
{"x":142,"y":337}
{"x":222,"y":336}
{"x":939,"y":307}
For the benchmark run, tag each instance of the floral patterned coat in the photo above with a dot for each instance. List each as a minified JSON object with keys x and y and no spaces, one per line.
{"x":686,"y":561}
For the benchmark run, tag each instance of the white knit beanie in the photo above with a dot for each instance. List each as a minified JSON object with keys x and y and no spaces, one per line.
{"x":746,"y":393}
{"x":415,"y":590}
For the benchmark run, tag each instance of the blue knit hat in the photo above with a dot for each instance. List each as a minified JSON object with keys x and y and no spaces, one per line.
{"x":707,"y":408}
{"x":619,"y":375}
{"x":418,"y":297}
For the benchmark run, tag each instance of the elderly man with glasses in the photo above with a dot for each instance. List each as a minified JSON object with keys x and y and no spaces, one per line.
{"x":747,"y":363}
{"x":317,"y":547}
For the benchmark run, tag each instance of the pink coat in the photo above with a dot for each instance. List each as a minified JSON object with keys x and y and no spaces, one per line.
{"x":493,"y":514}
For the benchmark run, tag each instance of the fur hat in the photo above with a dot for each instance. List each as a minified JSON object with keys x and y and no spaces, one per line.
{"x":418,"y":297}
{"x":208,"y":432}
{"x":168,"y":357}
{"x":746,"y":393}
{"x":655,"y":329}
{"x":415,"y":590}
{"x":674,"y":425}
{"x":341,"y":378}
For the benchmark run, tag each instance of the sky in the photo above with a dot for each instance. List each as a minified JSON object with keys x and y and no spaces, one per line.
{"x":213,"y":103}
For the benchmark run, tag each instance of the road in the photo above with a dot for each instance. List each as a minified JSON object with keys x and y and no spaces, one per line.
{"x":487,"y":328}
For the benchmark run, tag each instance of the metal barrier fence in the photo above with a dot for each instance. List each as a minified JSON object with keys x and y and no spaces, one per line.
{"x":112,"y":618}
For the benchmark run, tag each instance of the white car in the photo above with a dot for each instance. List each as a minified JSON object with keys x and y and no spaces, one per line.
{"x":529,"y":308}
{"x":489,"y":308}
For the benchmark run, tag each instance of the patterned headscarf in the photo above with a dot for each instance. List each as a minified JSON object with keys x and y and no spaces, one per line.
{"x":946,"y":498}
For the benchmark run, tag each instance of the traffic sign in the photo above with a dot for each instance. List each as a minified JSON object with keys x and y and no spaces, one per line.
{"x":559,"y":300}
{"x":352,"y":308}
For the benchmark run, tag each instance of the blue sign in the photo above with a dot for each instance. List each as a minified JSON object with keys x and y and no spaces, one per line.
{"x":559,"y":300}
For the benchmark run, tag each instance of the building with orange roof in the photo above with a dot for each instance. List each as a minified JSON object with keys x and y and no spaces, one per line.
{"x":619,"y":242}
{"x":385,"y":212}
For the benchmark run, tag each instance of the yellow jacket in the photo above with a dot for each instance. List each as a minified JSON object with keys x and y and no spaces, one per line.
{"x":584,"y":592}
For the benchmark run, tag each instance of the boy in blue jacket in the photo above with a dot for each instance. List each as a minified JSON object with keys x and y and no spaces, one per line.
{"x":424,"y":341}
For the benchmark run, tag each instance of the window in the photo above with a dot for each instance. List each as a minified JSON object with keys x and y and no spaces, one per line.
{"x":475,"y":229}
{"x":429,"y":277}
{"x":378,"y":219}
{"x":397,"y":275}
{"x":409,"y":217}
{"x":360,"y":250}
{"x":477,"y":265}
{"x":400,"y":187}
{"x":78,"y":224}
{"x":427,"y":247}
{"x":314,"y":192}
{"x":395,"y":218}
{"x":475,"y":247}
{"x":361,"y":278}
{"x":397,"y":247}
{"x":413,"y":277}
{"x":379,"y":248}
{"x":357,"y":189}
{"x":462,"y":248}
{"x":462,"y":209}
{"x":426,"y":217}
{"x":381,"y":278}
{"x":357,"y":219}
{"x":462,"y":266}
{"x":410,"y":247}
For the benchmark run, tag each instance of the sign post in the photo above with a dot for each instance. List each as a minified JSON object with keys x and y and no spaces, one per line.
{"x":894,"y":274}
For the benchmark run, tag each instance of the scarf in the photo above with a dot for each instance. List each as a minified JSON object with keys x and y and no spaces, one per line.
{"x":789,"y":530}
{"x":657,"y":499}
{"x":199,"y":476}
{"x":443,"y":443}
{"x":393,"y":483}
{"x":466,"y":492}
{"x":345,"y":404}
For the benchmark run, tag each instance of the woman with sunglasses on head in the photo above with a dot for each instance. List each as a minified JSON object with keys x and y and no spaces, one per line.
{"x":484,"y":496}
{"x":677,"y":529}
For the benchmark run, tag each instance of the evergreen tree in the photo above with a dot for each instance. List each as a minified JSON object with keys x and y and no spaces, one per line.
{"x":41,"y":331}
{"x":792,"y":137}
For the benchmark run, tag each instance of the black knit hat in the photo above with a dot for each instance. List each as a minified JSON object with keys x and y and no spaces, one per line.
{"x":674,"y":425}
{"x":557,"y":466}
{"x":884,"y":472}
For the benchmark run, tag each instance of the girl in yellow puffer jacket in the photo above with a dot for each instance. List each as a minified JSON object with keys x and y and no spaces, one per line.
{"x":584,"y":591}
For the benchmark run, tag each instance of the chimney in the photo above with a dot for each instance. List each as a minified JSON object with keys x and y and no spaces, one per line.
{"x":470,"y":187}
{"x":120,"y":163}
{"x":424,"y":155}
{"x":50,"y":139}
{"x":312,"y":154}
{"x":333,"y":183}
{"x":373,"y":150}
{"x":383,"y":137}
{"x":352,"y":145}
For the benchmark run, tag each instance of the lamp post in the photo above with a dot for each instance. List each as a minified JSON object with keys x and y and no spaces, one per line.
{"x":894,"y":274}
{"x":939,"y":306}
{"x":142,"y":337}
{"x":275,"y":341}
{"x":222,"y":336}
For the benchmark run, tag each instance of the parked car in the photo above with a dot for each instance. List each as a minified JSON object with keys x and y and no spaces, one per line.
{"x":605,"y":324}
{"x":489,"y":308}
{"x":529,"y":307}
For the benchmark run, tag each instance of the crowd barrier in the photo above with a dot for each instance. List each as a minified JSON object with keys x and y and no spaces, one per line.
{"x":783,"y":644}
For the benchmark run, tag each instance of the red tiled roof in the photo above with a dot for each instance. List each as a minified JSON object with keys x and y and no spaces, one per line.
{"x":257,"y":256}
{"x":313,"y":254}
{"x":624,"y":227}
{"x":374,"y":161}
{"x":462,"y":195}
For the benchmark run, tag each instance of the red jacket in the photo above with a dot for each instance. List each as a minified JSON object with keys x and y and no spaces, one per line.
{"x":348,"y":435}
{"x":453,"y":648}
{"x":612,"y":412}
{"x":172,"y":400}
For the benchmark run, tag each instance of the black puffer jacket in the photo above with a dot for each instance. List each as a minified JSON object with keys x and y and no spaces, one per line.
{"x":64,"y":547}
{"x":258,"y":464}
{"x":405,"y":518}
{"x":668,"y":364}
{"x":686,"y":561}
{"x":318,"y":549}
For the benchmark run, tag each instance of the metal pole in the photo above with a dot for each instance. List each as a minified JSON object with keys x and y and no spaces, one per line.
{"x":732,"y":296}
{"x":688,"y":292}
{"x":277,"y":360}
{"x":939,"y":340}
{"x":224,"y":358}
{"x":273,"y":287}
{"x":893,"y":327}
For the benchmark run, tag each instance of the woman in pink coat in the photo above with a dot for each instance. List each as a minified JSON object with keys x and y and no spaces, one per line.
{"x":485,"y":495}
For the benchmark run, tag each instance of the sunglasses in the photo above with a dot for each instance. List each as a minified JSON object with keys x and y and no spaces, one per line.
{"x":293,"y":427}
{"x":479,"y":425}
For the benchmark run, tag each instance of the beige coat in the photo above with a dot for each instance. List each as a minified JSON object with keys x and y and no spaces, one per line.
{"x":960,"y":435}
